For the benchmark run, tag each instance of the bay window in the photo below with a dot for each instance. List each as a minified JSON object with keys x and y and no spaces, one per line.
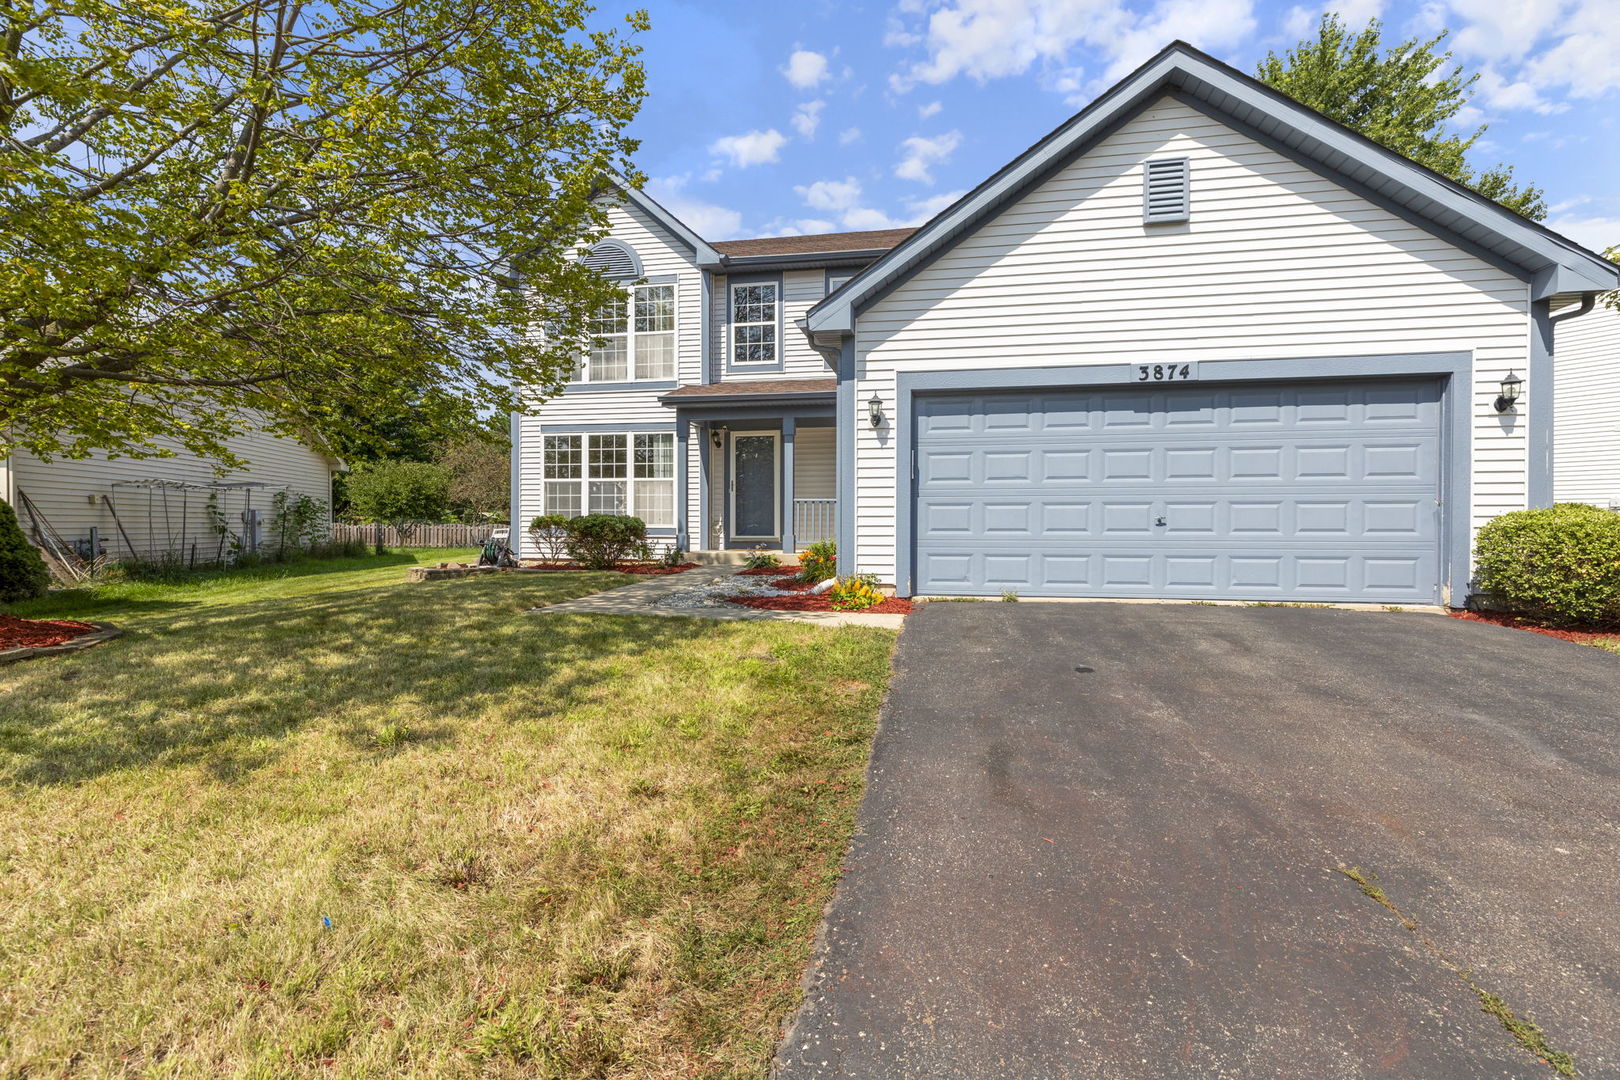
{"x":619,"y":473}
{"x":633,"y":337}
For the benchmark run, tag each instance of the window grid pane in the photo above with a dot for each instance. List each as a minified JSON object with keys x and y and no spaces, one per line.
{"x":607,"y":497}
{"x":753,"y":323}
{"x":655,"y":356}
{"x":655,"y":457}
{"x":562,"y":457}
{"x":562,"y":497}
{"x":655,"y":309}
{"x":609,"y":457}
{"x":655,"y":502}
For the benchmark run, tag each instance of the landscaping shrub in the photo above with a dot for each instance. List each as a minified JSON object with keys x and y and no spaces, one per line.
{"x":549,"y":534}
{"x":22,"y":572}
{"x":1561,"y":564}
{"x":598,"y":541}
{"x":855,"y":593}
{"x":403,"y":494}
{"x":760,"y":559}
{"x":819,"y":561}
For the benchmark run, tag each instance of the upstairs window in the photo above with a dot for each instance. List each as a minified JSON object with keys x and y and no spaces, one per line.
{"x":836,"y":279}
{"x":754,"y":312}
{"x":618,"y":473}
{"x":633,"y":337}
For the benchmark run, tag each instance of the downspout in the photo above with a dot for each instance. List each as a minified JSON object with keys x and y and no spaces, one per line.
{"x":1588,"y":302}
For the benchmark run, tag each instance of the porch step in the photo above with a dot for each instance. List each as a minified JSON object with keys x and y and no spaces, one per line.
{"x":718,"y":558}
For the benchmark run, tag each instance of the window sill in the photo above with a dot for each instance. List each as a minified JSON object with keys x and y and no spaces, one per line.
{"x":628,"y":384}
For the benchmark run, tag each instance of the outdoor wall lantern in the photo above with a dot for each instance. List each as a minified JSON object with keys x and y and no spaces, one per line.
{"x":1511,"y":388}
{"x":717,"y":436}
{"x":874,"y":409}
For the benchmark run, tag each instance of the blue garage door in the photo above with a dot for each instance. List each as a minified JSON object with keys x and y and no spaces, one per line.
{"x":1323,"y":491}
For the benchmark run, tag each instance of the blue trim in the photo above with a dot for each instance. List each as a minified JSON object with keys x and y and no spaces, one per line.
{"x":1455,"y":369}
{"x":762,"y":410}
{"x":705,"y":338}
{"x":848,"y":273}
{"x":845,"y":455}
{"x":1539,"y":447}
{"x":731,"y":321}
{"x":604,"y":429}
{"x":682,"y":520}
{"x":784,"y":484}
{"x":614,"y":387}
{"x":705,"y":455}
{"x":514,"y":510}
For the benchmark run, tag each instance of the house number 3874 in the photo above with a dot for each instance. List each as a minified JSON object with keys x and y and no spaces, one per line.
{"x":1166,"y":372}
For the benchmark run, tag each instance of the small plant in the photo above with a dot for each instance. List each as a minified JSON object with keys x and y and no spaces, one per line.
{"x":390,"y":736}
{"x":674,"y":556}
{"x":760,"y":559}
{"x":549,"y":535}
{"x":855,"y":593}
{"x":1009,"y":596}
{"x":601,"y":541}
{"x":1557,"y":565}
{"x":819,"y":562}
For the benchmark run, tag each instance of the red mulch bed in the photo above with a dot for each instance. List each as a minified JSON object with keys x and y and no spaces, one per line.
{"x":1517,"y":622}
{"x":817,"y":602}
{"x":768,"y":571}
{"x":18,"y":633}
{"x":644,"y":569}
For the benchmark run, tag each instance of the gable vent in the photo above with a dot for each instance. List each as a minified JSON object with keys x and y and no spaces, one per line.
{"x":1167,"y":190}
{"x":614,"y":259}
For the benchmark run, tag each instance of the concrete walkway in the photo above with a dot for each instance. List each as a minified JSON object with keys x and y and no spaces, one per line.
{"x":641,"y":598}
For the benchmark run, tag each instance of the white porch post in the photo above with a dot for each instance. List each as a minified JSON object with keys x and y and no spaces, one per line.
{"x":789,"y":425}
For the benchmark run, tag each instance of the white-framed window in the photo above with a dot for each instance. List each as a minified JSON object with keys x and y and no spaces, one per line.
{"x":836,"y":279}
{"x":613,"y":473}
{"x":753,"y":323}
{"x":633,"y":337}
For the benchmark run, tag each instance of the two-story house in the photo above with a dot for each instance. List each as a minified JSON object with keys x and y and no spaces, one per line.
{"x":1198,"y":342}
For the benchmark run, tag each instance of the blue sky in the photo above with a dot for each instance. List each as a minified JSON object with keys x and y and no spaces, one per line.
{"x":778,"y":116}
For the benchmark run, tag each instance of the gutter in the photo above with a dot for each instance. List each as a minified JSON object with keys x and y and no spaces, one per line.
{"x":1588,"y":302}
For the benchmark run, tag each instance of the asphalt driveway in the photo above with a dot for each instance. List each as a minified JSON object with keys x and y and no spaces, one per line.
{"x":1104,"y":840}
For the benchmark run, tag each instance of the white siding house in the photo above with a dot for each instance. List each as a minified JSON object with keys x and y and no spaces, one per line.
{"x":1586,"y":462}
{"x":1197,"y":342}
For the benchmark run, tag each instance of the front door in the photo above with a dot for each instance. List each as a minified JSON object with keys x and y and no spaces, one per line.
{"x":755,"y":457}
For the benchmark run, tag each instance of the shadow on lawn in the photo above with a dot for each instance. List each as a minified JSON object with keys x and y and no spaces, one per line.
{"x":221,"y":687}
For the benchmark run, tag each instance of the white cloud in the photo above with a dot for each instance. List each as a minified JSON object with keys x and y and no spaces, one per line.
{"x":1583,"y":62}
{"x":831,"y":195}
{"x":919,"y":155}
{"x":710,"y":221}
{"x":1499,"y":93}
{"x":844,"y":200}
{"x":754,"y":148}
{"x":849,"y":135}
{"x":1597,"y":233}
{"x":864,"y":217}
{"x":991,"y":39}
{"x":807,"y":117}
{"x":805,"y":69}
{"x":923,"y":209}
{"x":929,"y":110}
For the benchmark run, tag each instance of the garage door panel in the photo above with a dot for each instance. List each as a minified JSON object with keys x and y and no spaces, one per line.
{"x":1322,"y":491}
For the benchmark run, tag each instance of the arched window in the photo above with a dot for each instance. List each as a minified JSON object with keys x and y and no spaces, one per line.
{"x":615,"y":260}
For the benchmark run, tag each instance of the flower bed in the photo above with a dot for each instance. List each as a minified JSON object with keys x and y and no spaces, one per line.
{"x":769,"y":571}
{"x":1519,"y":622}
{"x":818,"y":602}
{"x":18,"y":633}
{"x":643,"y":569}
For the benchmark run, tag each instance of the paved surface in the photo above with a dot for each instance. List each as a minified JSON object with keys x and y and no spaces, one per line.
{"x":1100,"y":841}
{"x":638,"y":597}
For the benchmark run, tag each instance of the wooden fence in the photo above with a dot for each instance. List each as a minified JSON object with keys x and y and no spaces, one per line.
{"x":423,"y":536}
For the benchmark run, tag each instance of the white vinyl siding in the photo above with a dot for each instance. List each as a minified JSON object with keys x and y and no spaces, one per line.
{"x":801,"y":290}
{"x":1277,"y":262}
{"x":1586,"y":407}
{"x":815,"y":470}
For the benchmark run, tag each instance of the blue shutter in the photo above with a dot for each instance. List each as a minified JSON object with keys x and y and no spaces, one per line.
{"x":1166,"y":190}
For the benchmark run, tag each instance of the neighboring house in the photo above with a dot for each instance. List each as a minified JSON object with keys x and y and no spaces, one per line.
{"x":163,"y":508}
{"x":1586,"y":408}
{"x":1198,"y":342}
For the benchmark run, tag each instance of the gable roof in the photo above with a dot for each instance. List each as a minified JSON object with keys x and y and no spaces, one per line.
{"x":703,"y":253}
{"x":1550,"y":262}
{"x":818,"y":243}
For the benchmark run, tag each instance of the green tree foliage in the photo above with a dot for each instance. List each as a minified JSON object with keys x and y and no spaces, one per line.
{"x":22,"y":572}
{"x":480,"y":470}
{"x":403,"y":494}
{"x":307,"y":211}
{"x":1400,"y":97}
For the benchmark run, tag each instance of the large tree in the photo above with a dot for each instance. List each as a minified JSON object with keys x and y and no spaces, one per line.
{"x":214,"y":212}
{"x":1401,"y":97}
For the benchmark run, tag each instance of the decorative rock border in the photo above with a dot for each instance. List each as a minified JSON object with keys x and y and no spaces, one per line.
{"x":442,"y":573}
{"x":102,"y":632}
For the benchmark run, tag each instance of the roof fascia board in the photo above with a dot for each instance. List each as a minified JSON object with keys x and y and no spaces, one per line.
{"x":808,"y":260}
{"x":702,"y":254}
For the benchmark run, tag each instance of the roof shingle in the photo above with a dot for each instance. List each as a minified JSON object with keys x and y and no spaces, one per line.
{"x":820,"y":243}
{"x":761,"y":387}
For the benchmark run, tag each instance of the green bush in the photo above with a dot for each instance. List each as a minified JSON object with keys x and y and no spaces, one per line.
{"x":760,"y":559}
{"x":403,"y":494}
{"x":22,"y":572}
{"x":549,"y":535}
{"x":599,"y":541}
{"x":1561,"y":565}
{"x":855,"y":593}
{"x":819,"y":561}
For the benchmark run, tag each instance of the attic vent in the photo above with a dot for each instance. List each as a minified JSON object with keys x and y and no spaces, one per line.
{"x":615,"y":260}
{"x":1166,"y":191}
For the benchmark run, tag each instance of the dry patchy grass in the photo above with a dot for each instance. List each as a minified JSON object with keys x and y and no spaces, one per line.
{"x":385,"y":829}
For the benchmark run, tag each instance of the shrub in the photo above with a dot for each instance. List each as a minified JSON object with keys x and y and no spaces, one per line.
{"x":819,"y":561}
{"x":549,"y":534}
{"x":22,"y":572}
{"x":598,"y":541}
{"x":1561,"y":564}
{"x":855,"y":593}
{"x":400,"y":493}
{"x":674,"y":556}
{"x":760,"y":559}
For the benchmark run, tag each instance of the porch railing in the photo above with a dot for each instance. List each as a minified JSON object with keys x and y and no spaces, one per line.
{"x":814,"y":519}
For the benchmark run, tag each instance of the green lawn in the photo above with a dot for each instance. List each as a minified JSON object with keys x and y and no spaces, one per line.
{"x":320,"y":822}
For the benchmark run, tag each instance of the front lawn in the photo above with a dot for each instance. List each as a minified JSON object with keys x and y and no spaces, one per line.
{"x":331,"y":824}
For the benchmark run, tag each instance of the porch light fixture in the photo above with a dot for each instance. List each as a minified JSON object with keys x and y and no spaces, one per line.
{"x":717,"y":437}
{"x":874,"y":410}
{"x":1512,"y":386}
